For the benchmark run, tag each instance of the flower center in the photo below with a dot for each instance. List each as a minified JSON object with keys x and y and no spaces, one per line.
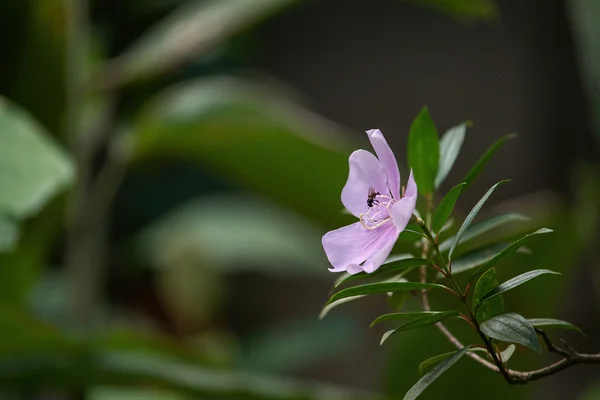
{"x":378,"y":212}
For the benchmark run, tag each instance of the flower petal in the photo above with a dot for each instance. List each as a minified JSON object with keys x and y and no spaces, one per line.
{"x":379,"y":258}
{"x":365,"y":171}
{"x":353,"y":244}
{"x":387,"y":159}
{"x":403,"y":210}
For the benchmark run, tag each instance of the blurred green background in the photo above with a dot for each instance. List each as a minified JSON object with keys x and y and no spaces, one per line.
{"x":168,"y":167}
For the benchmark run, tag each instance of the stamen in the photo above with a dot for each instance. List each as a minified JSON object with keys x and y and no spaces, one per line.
{"x":370,"y":228}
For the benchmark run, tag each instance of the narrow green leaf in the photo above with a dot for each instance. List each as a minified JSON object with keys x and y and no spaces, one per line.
{"x":397,"y":300}
{"x":498,"y":258}
{"x":450,"y":145}
{"x":470,"y":218}
{"x":512,"y":328}
{"x":513,"y":283}
{"x":331,"y":306}
{"x":507,"y":353}
{"x":384,"y":287}
{"x":435,"y":373}
{"x":552,"y":323}
{"x":430,"y":362}
{"x":482,"y":227}
{"x":486,"y":284}
{"x":423,"y":151}
{"x":482,"y":162}
{"x":475,"y":258}
{"x":444,"y":210}
{"x":421,"y":322}
{"x":403,"y":316}
{"x":386,"y":269}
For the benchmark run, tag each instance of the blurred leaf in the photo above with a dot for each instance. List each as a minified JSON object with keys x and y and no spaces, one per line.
{"x":444,"y":210}
{"x":33,"y":168}
{"x":423,"y":151}
{"x":464,"y":10}
{"x":396,"y":300}
{"x":512,"y":328}
{"x":482,"y":227}
{"x":485,"y":158}
{"x":507,"y":353}
{"x":250,"y":134}
{"x":450,"y":145}
{"x":435,"y":373}
{"x":329,"y":307}
{"x":552,"y":323}
{"x":193,"y":29}
{"x":9,"y":234}
{"x":385,"y":287}
{"x":424,"y":317}
{"x":486,"y":283}
{"x":233,"y":234}
{"x":498,"y":258}
{"x":430,"y":362}
{"x":298,"y":344}
{"x":421,"y":322}
{"x":470,"y":218}
{"x":390,"y":266}
{"x":512,"y":283}
{"x":122,"y":393}
{"x":591,"y":393}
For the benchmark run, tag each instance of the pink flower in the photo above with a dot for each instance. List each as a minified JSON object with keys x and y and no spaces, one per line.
{"x":372,"y":194}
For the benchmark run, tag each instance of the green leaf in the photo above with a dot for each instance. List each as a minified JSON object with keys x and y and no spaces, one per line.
{"x":396,"y":300}
{"x":552,"y":323}
{"x":507,"y":353}
{"x":430,"y":362}
{"x":450,"y":145}
{"x":475,"y":258}
{"x":470,"y":218}
{"x":33,"y":169}
{"x":427,"y":316}
{"x":435,"y":373}
{"x":428,"y":319}
{"x":9,"y":234}
{"x":512,"y":328}
{"x":464,"y":11}
{"x":392,"y":266}
{"x":444,"y":210}
{"x":329,"y":307}
{"x":487,"y":283}
{"x":192,"y":30}
{"x":423,"y":151}
{"x":248,"y":134}
{"x":498,"y":258}
{"x":482,"y":227}
{"x":512,"y":283}
{"x":385,"y":287}
{"x":482,"y":162}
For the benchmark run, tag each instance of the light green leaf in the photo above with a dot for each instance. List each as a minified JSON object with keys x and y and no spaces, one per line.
{"x":426,"y":320}
{"x":390,"y":267}
{"x":435,"y":373}
{"x":450,"y":145}
{"x":328,"y":307}
{"x":385,"y":287}
{"x":512,"y":328}
{"x":426,"y":316}
{"x":33,"y":169}
{"x":482,"y":162}
{"x":470,"y":218}
{"x":431,"y":362}
{"x":444,"y":210}
{"x":507,"y":353}
{"x":9,"y":234}
{"x":251,"y":135}
{"x":195,"y":28}
{"x":486,"y":283}
{"x":482,"y":227}
{"x":552,"y":323}
{"x":423,"y":151}
{"x":498,"y":258}
{"x":512,"y":283}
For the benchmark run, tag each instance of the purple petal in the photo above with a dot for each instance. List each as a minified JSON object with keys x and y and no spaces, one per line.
{"x":365,"y":171}
{"x":351,"y":245}
{"x":403,"y":210}
{"x":387,"y":159}
{"x":379,"y":258}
